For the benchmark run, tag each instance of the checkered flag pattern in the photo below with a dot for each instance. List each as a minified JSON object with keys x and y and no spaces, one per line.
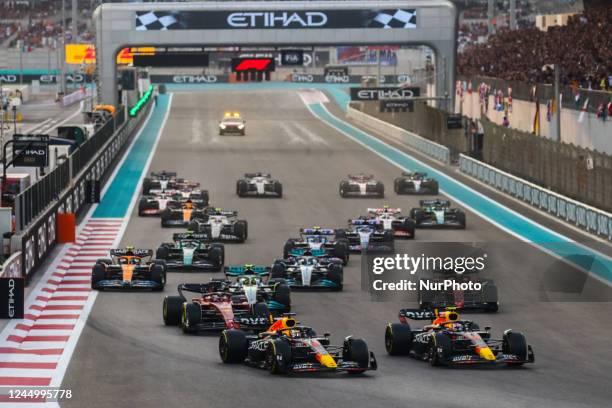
{"x":395,"y":19}
{"x":155,"y":20}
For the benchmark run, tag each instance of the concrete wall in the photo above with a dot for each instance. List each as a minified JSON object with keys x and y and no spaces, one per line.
{"x":591,"y":133}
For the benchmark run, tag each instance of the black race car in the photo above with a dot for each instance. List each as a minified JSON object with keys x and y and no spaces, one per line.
{"x":437,"y":214}
{"x":129,"y":268}
{"x":191,"y":251}
{"x":310,"y":272}
{"x":317,"y":241}
{"x":367,"y":238}
{"x":220,"y":225}
{"x":361,"y":185}
{"x":259,"y":185}
{"x":432,"y":297}
{"x":415,"y":183}
{"x":181,"y":214}
{"x":450,"y":341}
{"x":287,"y":347}
{"x":165,"y":180}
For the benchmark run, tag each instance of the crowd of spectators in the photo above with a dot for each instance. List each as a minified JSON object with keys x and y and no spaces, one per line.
{"x":20,"y":9}
{"x":583,"y":48}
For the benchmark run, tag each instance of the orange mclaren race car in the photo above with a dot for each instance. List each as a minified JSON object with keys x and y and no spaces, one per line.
{"x":450,"y":341}
{"x":287,"y":347}
{"x":129,"y":268}
{"x":181,"y":214}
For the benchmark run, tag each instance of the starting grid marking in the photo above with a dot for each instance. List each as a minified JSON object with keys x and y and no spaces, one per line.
{"x":31,"y":350}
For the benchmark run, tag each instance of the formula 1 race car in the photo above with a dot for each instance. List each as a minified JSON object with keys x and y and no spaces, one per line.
{"x":310,"y":272}
{"x":215,"y":308}
{"x":259,"y":185}
{"x":166,"y":180}
{"x":387,"y":219}
{"x":249,"y":280}
{"x":446,"y":289}
{"x":232,"y":123}
{"x":191,"y":251}
{"x":449,"y":341}
{"x":437,"y":214}
{"x":178,"y":214}
{"x":415,"y":183}
{"x":155,"y":203}
{"x":317,"y":241}
{"x":366,"y":238}
{"x":129,"y":268}
{"x":220,"y":225}
{"x":287,"y":347}
{"x":361,"y":185}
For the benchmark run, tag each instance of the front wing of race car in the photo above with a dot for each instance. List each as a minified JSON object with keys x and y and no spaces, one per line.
{"x":509,"y":359}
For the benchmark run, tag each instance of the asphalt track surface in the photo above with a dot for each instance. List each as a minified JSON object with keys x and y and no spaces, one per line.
{"x":126,"y":357}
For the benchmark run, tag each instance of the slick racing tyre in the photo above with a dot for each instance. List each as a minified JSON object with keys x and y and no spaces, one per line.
{"x":278,"y":271}
{"x":216,"y":254}
{"x":191,"y":316}
{"x":241,"y":188}
{"x":356,"y":350}
{"x":278,"y":357}
{"x":171,"y":310}
{"x":98,"y":274}
{"x":335,"y":275}
{"x":440,"y":350}
{"x":158,"y":275}
{"x":398,"y":339}
{"x":142,"y":206}
{"x":282,"y":295}
{"x":342,"y":189}
{"x":278,"y":189}
{"x":289,"y":246}
{"x":380,"y":190}
{"x":515,"y":343}
{"x":241,"y":230}
{"x":233,"y":346}
{"x":341,"y":249}
{"x":163,"y":252}
{"x":461,"y":219}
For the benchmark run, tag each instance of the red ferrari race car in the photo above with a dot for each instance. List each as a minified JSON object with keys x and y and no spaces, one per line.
{"x":215,"y":308}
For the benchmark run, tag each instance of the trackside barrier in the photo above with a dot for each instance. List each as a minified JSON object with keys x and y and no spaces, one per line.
{"x":588,"y":218}
{"x":40,"y":236}
{"x":427,"y":147}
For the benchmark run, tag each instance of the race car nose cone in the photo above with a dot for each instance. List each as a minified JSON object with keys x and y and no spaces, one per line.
{"x":327,"y":360}
{"x":486,"y":353}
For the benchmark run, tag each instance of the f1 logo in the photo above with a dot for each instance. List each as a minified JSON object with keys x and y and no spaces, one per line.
{"x":254,"y":64}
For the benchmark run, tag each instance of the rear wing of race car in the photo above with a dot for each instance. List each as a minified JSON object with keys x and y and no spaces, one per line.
{"x":218,"y":211}
{"x":384,"y":210}
{"x":180,"y":236}
{"x":258,"y":174}
{"x":214,"y":286}
{"x":163,"y":173}
{"x":141,"y":253}
{"x":317,"y":231}
{"x":416,"y":314}
{"x":320,"y":252}
{"x":361,"y":221}
{"x":435,"y":203}
{"x":258,"y":270}
{"x":414,"y":174}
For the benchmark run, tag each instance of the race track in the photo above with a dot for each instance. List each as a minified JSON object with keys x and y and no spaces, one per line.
{"x":126,"y":357}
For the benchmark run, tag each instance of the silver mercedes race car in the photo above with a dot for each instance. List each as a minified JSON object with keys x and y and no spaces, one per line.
{"x":415,"y":183}
{"x":361,"y":185}
{"x":438,"y":214}
{"x":259,"y":185}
